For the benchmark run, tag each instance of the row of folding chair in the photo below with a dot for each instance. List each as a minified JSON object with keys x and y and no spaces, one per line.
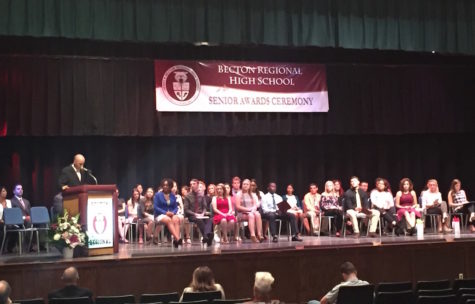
{"x":14,"y":223}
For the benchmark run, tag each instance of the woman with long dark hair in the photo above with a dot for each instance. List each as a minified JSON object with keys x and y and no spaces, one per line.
{"x":406,"y":204}
{"x":457,"y":200}
{"x":203,"y":280}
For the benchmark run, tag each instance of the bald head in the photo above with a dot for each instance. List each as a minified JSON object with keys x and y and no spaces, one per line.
{"x":5,"y":292}
{"x":70,"y":276}
{"x":78,"y":161}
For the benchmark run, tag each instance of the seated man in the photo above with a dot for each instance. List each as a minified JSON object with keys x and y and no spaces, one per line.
{"x":357,"y":205}
{"x":71,"y":289}
{"x":271,"y":212}
{"x":349,"y":274}
{"x":5,"y":293}
{"x":196,"y":210}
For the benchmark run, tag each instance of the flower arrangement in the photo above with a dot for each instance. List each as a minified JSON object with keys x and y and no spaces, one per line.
{"x":67,"y":231}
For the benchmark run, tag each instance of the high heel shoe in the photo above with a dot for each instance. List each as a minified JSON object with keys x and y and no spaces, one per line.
{"x":177,"y":243}
{"x":254,"y":239}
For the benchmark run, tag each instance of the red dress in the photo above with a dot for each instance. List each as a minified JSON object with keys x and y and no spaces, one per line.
{"x":222,"y":205}
{"x":406,"y":200}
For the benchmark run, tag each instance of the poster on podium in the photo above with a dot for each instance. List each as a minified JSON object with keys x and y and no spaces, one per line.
{"x":100,"y":223}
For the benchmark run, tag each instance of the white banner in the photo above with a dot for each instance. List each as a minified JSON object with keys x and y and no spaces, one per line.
{"x":100,"y":223}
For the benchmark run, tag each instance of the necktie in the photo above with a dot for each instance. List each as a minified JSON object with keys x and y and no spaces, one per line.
{"x":358,"y":200}
{"x":22,"y":203}
{"x":273,"y":201}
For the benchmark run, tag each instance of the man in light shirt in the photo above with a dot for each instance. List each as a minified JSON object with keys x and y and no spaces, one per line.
{"x":349,"y":275}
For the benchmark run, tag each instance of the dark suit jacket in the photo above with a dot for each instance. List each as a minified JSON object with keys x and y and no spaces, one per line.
{"x":350,"y":199}
{"x":69,"y":178}
{"x":70,"y":291}
{"x":16,"y":204}
{"x":193,"y":203}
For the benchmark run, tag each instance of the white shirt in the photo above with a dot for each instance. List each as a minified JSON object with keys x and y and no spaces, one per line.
{"x":268,"y":203}
{"x":382,"y":199}
{"x":9,"y":205}
{"x":428,"y":198}
{"x":292,"y":201}
{"x":78,"y":172}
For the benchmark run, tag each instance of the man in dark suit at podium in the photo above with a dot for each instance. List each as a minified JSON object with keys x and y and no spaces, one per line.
{"x":71,"y":289}
{"x":75,"y":174}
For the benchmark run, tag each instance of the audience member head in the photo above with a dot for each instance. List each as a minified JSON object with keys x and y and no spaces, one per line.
{"x":364,"y":186}
{"x":175,"y":187}
{"x":18,"y":190}
{"x":139,"y":188}
{"x":246,"y":186}
{"x":211,"y":190}
{"x":271,"y":187}
{"x":5,"y":291}
{"x":166,"y":185}
{"x":70,"y":276}
{"x":227,"y":187}
{"x":380,"y":185}
{"x":263,"y":286}
{"x":406,"y":185}
{"x":203,"y":279}
{"x":221,"y":190}
{"x":354,"y":182}
{"x":201,"y":187}
{"x":236,"y":183}
{"x":387,"y":185}
{"x":432,"y":185}
{"x":313,"y":188}
{"x":135,"y":196}
{"x":290,"y":189}
{"x":78,"y":161}
{"x":194,"y":185}
{"x":329,"y":187}
{"x":255,"y":188}
{"x":348,"y":271}
{"x":455,"y":186}
{"x":3,"y":193}
{"x":184,"y":190}
{"x":149,"y":193}
{"x":338,"y":188}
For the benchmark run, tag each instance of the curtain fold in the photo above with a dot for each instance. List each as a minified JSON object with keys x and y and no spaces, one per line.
{"x":425,"y":25}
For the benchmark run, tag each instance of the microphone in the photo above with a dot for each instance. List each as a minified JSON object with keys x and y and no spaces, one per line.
{"x":86,"y":170}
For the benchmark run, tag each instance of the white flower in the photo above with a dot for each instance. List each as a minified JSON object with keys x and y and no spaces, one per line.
{"x":57,"y":236}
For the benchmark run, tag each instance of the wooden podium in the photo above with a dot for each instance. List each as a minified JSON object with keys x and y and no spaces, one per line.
{"x":97,"y":206}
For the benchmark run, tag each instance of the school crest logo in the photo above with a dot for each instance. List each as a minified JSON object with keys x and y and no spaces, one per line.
{"x":181,"y":85}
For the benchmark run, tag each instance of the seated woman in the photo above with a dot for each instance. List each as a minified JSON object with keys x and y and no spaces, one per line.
{"x":248,"y":210}
{"x":330,"y":206}
{"x":406,"y":204}
{"x":146,"y":215}
{"x":223,"y":212}
{"x":383,"y":201}
{"x":203,"y":280}
{"x":131,"y":212}
{"x":457,"y":200}
{"x":165,"y":207}
{"x":181,"y":211}
{"x":433,"y":204}
{"x":294,"y":204}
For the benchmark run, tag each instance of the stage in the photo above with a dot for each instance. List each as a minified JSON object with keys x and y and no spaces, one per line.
{"x":303,"y":270}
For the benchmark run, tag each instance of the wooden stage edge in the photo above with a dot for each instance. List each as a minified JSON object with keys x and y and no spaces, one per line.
{"x":303,"y":271}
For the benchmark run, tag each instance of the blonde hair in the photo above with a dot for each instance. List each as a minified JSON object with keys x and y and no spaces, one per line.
{"x":263,"y":282}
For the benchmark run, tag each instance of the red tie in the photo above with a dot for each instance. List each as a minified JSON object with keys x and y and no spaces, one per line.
{"x":196,"y":202}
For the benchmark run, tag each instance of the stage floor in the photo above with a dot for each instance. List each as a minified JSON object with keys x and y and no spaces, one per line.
{"x":134,"y":250}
